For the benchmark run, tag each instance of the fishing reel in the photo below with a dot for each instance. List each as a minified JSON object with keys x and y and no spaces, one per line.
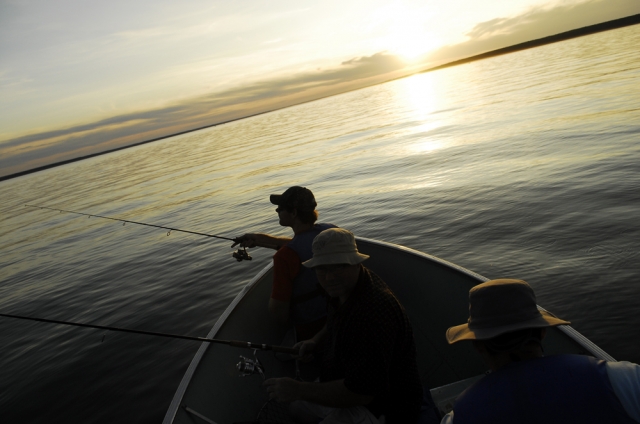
{"x":242,"y":254}
{"x":248,"y":366}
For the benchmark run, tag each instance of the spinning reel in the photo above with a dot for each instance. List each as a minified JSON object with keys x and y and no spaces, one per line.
{"x":248,"y":366}
{"x":242,"y":254}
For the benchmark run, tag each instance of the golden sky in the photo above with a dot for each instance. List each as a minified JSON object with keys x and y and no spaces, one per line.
{"x":80,"y":76}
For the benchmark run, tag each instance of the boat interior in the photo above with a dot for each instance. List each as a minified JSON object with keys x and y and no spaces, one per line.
{"x":435,"y":295}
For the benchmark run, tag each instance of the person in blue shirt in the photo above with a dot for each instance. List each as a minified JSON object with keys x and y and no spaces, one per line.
{"x":296,"y":297}
{"x":507,"y":329}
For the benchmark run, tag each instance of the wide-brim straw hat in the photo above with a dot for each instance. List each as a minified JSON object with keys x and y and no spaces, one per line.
{"x":501,"y":306}
{"x":335,"y":246}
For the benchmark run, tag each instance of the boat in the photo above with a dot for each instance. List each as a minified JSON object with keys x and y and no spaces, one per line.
{"x":435,"y":294}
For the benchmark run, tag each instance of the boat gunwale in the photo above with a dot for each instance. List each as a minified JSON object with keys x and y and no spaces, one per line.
{"x":590,"y":346}
{"x":568,"y":330}
{"x":186,"y":379}
{"x":414,"y":252}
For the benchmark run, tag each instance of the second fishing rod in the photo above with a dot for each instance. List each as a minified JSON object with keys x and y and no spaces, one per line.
{"x":234,"y":343}
{"x":239,"y":255}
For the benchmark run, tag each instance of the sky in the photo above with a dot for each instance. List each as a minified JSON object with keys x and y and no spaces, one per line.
{"x":83,"y":76}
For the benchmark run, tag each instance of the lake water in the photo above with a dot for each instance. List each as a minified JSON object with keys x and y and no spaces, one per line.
{"x":525,"y":166}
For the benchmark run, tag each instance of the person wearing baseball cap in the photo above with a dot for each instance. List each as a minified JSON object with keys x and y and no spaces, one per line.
{"x":506,"y":327}
{"x":368,"y":354}
{"x":295,"y":297}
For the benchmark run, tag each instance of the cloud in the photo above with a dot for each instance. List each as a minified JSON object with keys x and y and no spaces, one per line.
{"x":348,"y":71}
{"x":42,"y":148}
{"x":536,"y":23}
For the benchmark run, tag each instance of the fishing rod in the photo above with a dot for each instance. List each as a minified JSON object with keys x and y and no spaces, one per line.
{"x":234,"y":343}
{"x":239,"y":255}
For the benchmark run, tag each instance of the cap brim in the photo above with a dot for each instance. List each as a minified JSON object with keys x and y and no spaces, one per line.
{"x":463,"y":332}
{"x":351,"y":258}
{"x":276,"y":199}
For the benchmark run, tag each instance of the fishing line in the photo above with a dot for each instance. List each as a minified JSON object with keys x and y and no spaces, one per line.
{"x":234,"y":343}
{"x":133,"y":222}
{"x":239,"y":255}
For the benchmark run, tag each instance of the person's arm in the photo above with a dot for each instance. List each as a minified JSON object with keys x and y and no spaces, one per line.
{"x":625,"y":381}
{"x":447,"y":419}
{"x":307,"y":347}
{"x":320,"y":337}
{"x":261,"y":240}
{"x":332,"y":393}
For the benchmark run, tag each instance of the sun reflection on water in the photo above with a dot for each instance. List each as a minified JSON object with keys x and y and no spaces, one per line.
{"x":422,"y":101}
{"x":419,"y":93}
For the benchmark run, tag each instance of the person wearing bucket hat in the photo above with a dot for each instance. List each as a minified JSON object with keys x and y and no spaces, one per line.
{"x":506,"y":327}
{"x":295,"y":297}
{"x":366,"y":349}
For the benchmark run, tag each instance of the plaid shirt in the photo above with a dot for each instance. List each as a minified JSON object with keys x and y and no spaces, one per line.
{"x":371,"y":347}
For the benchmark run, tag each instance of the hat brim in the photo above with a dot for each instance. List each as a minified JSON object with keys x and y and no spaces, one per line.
{"x":335,"y":258}
{"x":463,"y":332}
{"x":276,"y":199}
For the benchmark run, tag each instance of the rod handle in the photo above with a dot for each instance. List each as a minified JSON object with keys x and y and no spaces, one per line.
{"x":249,"y":345}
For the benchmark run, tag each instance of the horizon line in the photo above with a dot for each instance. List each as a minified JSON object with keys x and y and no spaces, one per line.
{"x":562,"y":36}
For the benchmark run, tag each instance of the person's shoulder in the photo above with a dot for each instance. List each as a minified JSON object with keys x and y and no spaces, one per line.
{"x":324,"y":226}
{"x":371,"y":276}
{"x":378,"y":287}
{"x":626,"y":374}
{"x":375,"y":278}
{"x":377,"y":297}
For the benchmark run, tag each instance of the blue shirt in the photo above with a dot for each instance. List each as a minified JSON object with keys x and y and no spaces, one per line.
{"x":563,"y":388}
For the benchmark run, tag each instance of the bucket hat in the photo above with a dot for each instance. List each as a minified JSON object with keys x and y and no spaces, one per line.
{"x":300,"y":198}
{"x":501,"y":306}
{"x":335,"y":246}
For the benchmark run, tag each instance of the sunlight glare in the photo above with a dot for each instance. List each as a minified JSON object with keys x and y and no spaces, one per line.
{"x":411,"y":44}
{"x":407,"y":34}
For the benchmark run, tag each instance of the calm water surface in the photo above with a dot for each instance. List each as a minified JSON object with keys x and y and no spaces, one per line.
{"x":525,"y":165}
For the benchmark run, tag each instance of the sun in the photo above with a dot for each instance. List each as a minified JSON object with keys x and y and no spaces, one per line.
{"x":412,"y":47}
{"x":408,"y":36}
